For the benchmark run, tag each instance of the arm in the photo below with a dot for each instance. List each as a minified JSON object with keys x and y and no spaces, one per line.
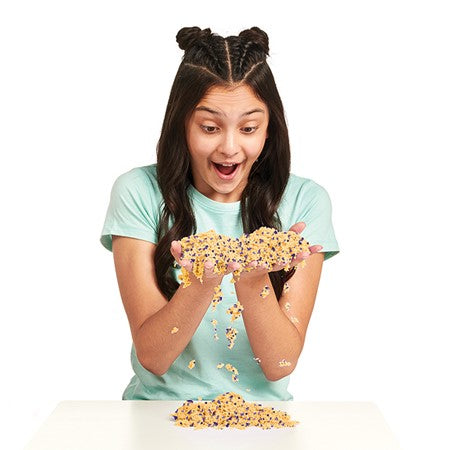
{"x":273,"y":333}
{"x":151,"y":316}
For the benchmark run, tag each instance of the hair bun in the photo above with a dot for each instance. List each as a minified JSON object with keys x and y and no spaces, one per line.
{"x":257,"y":36}
{"x":188,"y":36}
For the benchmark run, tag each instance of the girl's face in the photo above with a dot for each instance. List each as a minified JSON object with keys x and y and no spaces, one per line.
{"x":227,"y":126}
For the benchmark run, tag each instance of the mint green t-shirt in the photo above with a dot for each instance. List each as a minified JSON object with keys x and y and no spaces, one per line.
{"x":135,"y":204}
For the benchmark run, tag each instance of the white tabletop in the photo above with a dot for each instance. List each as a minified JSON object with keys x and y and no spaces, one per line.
{"x":146,"y":424}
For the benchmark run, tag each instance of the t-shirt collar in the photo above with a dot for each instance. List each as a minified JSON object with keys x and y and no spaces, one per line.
{"x":212,"y":204}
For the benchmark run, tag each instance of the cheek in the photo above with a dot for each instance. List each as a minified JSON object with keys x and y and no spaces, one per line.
{"x":199,"y":147}
{"x":255,"y":149}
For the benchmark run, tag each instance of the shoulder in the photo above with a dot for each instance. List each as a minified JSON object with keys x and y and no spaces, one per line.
{"x":141,"y":182}
{"x":138,"y":188}
{"x":139,"y":176}
{"x":303,"y":198}
{"x":303,"y":189}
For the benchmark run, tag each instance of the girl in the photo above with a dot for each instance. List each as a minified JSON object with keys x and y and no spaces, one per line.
{"x":223,"y":163}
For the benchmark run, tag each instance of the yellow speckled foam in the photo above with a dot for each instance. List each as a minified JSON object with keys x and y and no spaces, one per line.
{"x":235,"y":310}
{"x":264,"y":245}
{"x":230,"y":410}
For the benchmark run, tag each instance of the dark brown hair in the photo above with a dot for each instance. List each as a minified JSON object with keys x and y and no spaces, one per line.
{"x":211,"y":60}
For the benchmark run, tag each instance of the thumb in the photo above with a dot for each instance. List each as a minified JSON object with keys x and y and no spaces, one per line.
{"x":298,"y":227}
{"x":175,"y":249}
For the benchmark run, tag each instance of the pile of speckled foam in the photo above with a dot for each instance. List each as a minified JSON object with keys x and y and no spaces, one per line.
{"x":265,"y":245}
{"x":230,"y":410}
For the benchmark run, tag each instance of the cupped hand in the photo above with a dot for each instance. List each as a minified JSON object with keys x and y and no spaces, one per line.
{"x":261,"y":269}
{"x":209,"y":274}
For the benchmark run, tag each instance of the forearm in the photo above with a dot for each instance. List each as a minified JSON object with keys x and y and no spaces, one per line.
{"x":158,"y":346}
{"x":272,"y":336}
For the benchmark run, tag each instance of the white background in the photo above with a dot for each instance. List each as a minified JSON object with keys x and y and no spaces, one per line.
{"x":365,"y":85}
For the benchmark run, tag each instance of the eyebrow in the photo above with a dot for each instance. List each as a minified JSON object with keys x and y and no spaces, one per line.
{"x":217,"y":113}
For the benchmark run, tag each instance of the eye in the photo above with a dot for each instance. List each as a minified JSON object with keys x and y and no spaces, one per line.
{"x":209,"y":129}
{"x":249,"y":129}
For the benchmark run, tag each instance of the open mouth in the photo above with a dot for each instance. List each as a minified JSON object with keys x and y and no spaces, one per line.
{"x":226,"y":170}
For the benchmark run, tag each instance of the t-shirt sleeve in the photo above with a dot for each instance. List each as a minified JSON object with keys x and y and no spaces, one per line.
{"x":316,"y":213}
{"x":133,"y":209}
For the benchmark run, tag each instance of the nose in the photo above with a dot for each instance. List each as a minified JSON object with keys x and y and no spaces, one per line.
{"x":229,"y":146}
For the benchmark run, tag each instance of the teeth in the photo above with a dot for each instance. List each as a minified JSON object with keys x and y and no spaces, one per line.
{"x":227,"y":165}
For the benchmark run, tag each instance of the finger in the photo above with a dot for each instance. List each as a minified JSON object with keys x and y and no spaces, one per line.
{"x":175,"y":249}
{"x":298,"y":227}
{"x":315,"y":248}
{"x":251,"y":265}
{"x":231,"y":267}
{"x":209,"y":268}
{"x":299,"y":257}
{"x":259,"y":266}
{"x":186,"y":264}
